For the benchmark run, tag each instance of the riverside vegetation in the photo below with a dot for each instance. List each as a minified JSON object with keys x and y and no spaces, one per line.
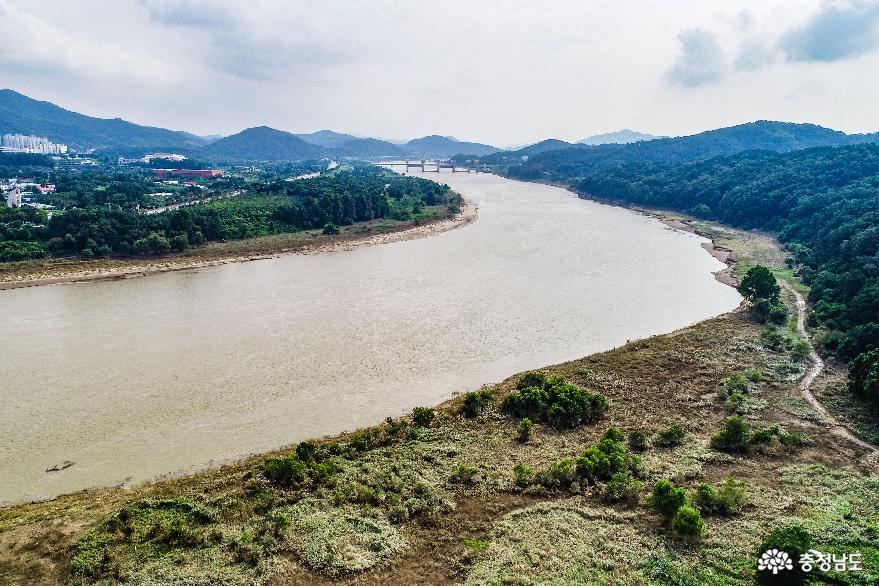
{"x":99,"y":215}
{"x":632,"y":466}
{"x":822,"y":202}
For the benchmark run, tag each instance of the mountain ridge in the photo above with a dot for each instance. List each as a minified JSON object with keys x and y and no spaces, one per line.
{"x":20,"y":114}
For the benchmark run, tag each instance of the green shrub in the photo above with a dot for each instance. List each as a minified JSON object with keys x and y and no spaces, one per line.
{"x":800,"y":350}
{"x":638,"y":441}
{"x":760,"y":309}
{"x":774,"y":339}
{"x":306,"y":451}
{"x":523,"y":430}
{"x":524,"y":475}
{"x":475,"y":544}
{"x":622,"y":487}
{"x":734,"y":437}
{"x":794,"y":540}
{"x":737,"y":382}
{"x":561,"y":474}
{"x":557,"y":402}
{"x":284,"y":470}
{"x":279,"y":522}
{"x":764,"y":436}
{"x":570,"y":406}
{"x":863,"y":376}
{"x":612,"y":433}
{"x":735,"y":401}
{"x":91,"y":556}
{"x":673,"y":436}
{"x":527,"y":402}
{"x":422,"y":416}
{"x":791,"y":439}
{"x":667,"y":498}
{"x":603,"y":460}
{"x":728,"y":499}
{"x":688,"y":522}
{"x":476,"y":402}
{"x":532,"y":379}
{"x":754,"y":375}
{"x":778,"y":314}
{"x":330,"y":229}
{"x":465,"y":474}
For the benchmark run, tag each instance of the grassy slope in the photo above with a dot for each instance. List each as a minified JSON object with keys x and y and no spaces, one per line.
{"x":488,"y":531}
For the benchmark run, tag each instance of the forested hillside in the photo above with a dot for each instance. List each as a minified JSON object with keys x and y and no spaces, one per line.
{"x":102,"y":220}
{"x":21,"y":114}
{"x":823,"y":203}
{"x":578,"y":161}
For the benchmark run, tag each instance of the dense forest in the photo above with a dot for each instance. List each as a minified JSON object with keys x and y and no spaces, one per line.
{"x":104,"y":221}
{"x":12,"y":164}
{"x":823,"y":203}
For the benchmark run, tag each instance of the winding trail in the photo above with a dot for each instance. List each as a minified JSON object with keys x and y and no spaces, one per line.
{"x":837,"y":428}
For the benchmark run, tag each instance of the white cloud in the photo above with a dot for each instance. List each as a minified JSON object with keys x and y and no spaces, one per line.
{"x":29,"y":41}
{"x":497,"y":71}
{"x":701,"y":60}
{"x":839,"y":30}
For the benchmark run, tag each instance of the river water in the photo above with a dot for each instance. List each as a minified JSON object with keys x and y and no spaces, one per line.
{"x":138,"y":378}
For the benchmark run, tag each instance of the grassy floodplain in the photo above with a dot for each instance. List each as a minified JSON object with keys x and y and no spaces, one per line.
{"x":463,"y":499}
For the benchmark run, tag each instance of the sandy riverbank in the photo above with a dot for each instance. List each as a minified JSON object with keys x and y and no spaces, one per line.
{"x":308,"y":242}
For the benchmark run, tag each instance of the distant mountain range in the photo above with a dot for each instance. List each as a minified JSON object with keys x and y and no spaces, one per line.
{"x":579,"y":160}
{"x":624,"y":136}
{"x":20,"y":114}
{"x":262,"y":144}
{"x":446,"y":146}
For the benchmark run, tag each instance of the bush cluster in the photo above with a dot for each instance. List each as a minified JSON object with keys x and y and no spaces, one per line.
{"x":523,"y":430}
{"x":863,"y":376}
{"x":727,"y":499}
{"x":793,"y":539}
{"x":670,"y":502}
{"x":598,"y":463}
{"x":422,"y":416}
{"x":761,"y":289}
{"x":736,"y":436}
{"x":554,"y":401}
{"x":673,"y":436}
{"x":638,"y":441}
{"x":476,"y":402}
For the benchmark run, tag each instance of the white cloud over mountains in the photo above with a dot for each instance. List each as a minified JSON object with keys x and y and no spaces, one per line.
{"x":499,"y":71}
{"x":838,"y":30}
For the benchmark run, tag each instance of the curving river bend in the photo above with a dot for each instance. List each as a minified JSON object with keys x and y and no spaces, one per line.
{"x":137,"y":378}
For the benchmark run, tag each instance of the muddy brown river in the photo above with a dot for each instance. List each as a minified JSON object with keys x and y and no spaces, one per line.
{"x":173,"y":372}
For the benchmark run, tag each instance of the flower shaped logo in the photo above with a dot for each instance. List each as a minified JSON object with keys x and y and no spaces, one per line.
{"x":774,"y":560}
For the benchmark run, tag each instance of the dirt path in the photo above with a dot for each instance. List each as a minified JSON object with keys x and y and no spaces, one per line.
{"x":817,"y":366}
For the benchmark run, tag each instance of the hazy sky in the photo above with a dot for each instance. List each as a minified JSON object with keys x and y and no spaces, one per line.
{"x":501,"y":72}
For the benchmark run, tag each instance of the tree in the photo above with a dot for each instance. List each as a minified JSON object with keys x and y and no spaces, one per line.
{"x":760,"y":283}
{"x":793,"y":540}
{"x":158,"y":243}
{"x":735,"y":435}
{"x":422,"y":416}
{"x":863,"y":376}
{"x":667,"y":498}
{"x":688,"y":522}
